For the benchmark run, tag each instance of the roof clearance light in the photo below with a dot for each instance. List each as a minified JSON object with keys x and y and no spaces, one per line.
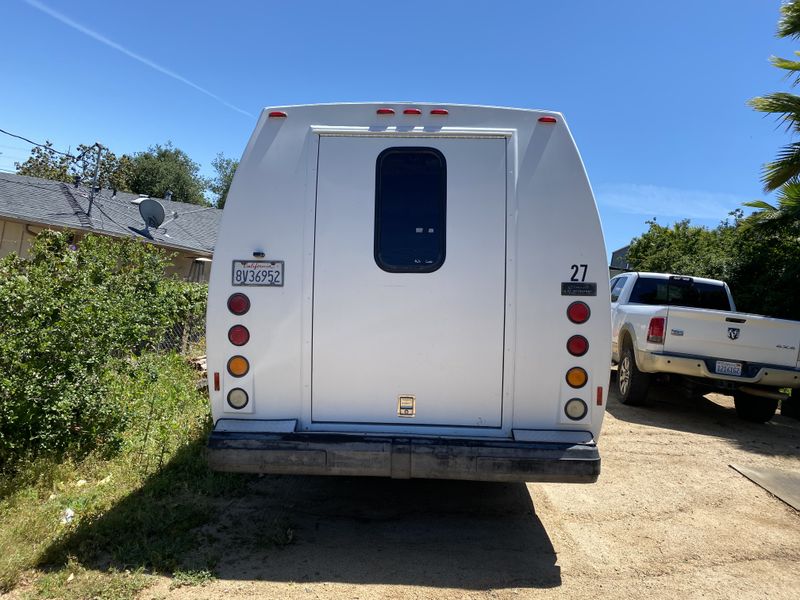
{"x":385,"y":111}
{"x":440,"y":111}
{"x":238,"y":335}
{"x":412,"y":111}
{"x":238,"y":304}
{"x":547,"y":120}
{"x":238,"y":366}
{"x":237,"y":398}
{"x":575,"y":409}
{"x":577,"y":345}
{"x":577,"y":377}
{"x":578,"y":312}
{"x":277,"y":114}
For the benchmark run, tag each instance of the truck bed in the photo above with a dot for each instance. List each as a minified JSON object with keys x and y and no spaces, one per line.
{"x":731,"y":335}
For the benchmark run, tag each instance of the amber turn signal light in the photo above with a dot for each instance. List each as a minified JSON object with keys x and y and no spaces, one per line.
{"x":238,"y":366}
{"x":577,"y":377}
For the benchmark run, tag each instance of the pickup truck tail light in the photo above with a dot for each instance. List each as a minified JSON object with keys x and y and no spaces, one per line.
{"x":655,"y":332}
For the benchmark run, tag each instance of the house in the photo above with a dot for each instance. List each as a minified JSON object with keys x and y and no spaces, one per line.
{"x":30,"y":204}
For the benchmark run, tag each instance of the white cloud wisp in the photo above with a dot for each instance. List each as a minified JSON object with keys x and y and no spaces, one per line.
{"x":137,"y":57}
{"x":657,"y":201}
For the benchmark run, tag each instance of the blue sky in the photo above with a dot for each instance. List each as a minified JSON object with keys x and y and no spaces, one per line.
{"x":654,"y":92}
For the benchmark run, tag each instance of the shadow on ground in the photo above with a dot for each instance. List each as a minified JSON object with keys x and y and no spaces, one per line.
{"x":670,"y":406}
{"x":466,"y":535}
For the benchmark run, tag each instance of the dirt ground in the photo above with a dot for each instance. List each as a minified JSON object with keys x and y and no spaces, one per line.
{"x":668,"y":518}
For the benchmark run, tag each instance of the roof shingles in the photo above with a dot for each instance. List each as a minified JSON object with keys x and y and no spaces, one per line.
{"x":46,"y":202}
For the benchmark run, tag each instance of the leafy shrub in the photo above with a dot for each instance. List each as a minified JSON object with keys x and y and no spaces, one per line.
{"x":760,"y":261}
{"x":68,"y":317}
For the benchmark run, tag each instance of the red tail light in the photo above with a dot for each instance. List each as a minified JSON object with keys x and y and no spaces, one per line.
{"x":655,"y":333}
{"x":577,"y":345}
{"x":238,"y":304}
{"x":238,"y":335}
{"x":578,"y":312}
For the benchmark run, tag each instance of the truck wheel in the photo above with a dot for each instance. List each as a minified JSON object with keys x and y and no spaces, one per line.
{"x":633,"y":384}
{"x":754,"y":408}
{"x":790,"y":407}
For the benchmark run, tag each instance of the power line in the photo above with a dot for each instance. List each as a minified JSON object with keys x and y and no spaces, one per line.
{"x":50,"y":148}
{"x":24,"y":139}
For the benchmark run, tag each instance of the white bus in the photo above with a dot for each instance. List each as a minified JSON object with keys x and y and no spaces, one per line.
{"x":409,"y":290}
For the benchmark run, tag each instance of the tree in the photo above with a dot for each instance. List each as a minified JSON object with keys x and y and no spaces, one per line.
{"x":685,"y":249}
{"x":165,"y":168}
{"x":783,"y":173}
{"x":47,"y":163}
{"x":761,"y":264}
{"x":219,"y":186}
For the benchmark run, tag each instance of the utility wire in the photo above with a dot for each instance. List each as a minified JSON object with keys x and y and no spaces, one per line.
{"x":50,"y":148}
{"x":24,"y":139}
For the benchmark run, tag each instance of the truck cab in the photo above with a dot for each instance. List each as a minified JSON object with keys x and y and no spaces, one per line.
{"x":409,"y":290}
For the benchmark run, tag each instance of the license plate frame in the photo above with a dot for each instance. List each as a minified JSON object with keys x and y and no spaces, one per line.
{"x":260,"y":273}
{"x":727,"y":367}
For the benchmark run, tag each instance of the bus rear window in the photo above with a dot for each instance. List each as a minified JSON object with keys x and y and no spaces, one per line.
{"x":680,"y":292}
{"x":410,"y":207}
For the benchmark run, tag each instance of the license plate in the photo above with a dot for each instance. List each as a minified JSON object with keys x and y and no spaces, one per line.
{"x":258,"y":272}
{"x":728,"y":368}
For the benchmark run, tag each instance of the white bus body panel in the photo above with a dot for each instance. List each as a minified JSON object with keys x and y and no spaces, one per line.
{"x":379,"y":335}
{"x":333,"y":348}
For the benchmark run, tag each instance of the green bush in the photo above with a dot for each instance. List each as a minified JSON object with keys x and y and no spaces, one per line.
{"x":68,"y":317}
{"x":760,"y":261}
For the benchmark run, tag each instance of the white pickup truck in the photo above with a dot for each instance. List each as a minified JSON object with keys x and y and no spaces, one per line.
{"x":687,"y":326}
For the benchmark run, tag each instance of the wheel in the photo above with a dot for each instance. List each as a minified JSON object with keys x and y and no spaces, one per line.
{"x":790,"y":407}
{"x":633,"y":384}
{"x":754,"y":408}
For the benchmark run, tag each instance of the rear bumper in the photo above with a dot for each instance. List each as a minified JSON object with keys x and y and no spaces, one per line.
{"x":701,"y":366}
{"x":402,"y":457}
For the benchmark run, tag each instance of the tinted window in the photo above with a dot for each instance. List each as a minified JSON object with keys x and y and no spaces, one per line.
{"x":410,"y":206}
{"x":680,"y":292}
{"x":616,"y":290}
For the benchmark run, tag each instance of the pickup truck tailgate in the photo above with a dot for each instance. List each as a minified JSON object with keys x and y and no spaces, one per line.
{"x":735,"y":336}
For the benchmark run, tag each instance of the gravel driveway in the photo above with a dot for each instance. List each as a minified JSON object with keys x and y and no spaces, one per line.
{"x":669,"y":518}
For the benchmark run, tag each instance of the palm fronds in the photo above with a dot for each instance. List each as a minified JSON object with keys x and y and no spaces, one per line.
{"x":789,"y":24}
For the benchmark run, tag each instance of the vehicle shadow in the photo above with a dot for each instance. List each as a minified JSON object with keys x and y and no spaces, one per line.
{"x":467,"y":535}
{"x":669,"y":406}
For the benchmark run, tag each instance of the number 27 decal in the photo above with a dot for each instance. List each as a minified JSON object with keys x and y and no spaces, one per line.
{"x":578,"y":269}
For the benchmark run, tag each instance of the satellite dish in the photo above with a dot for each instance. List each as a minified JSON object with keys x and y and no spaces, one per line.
{"x":152,"y":212}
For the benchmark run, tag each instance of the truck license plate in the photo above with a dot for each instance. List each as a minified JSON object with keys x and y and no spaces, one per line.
{"x":258,"y":272}
{"x":725,"y":367}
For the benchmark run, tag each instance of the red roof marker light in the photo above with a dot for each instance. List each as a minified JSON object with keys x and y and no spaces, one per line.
{"x":385,"y":111}
{"x":440,"y":111}
{"x":412,"y":111}
{"x":277,"y":114}
{"x":547,"y":120}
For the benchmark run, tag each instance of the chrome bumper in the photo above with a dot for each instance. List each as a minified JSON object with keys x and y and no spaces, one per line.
{"x":700,"y":366}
